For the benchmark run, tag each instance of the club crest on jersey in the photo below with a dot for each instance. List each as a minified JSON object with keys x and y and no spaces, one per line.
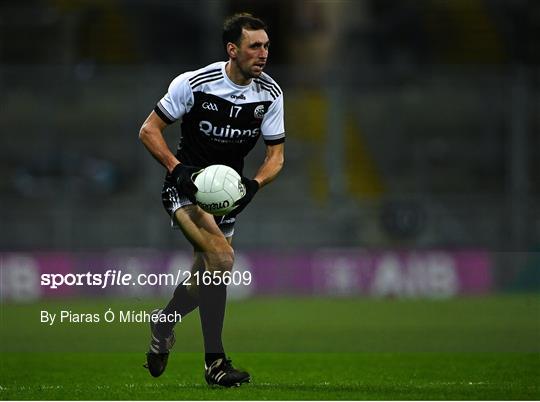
{"x":259,"y":112}
{"x":210,"y":106}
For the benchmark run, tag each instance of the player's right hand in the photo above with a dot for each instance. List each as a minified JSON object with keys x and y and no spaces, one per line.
{"x":181,"y":175}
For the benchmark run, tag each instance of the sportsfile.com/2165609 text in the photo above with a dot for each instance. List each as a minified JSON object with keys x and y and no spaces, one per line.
{"x":114,"y":277}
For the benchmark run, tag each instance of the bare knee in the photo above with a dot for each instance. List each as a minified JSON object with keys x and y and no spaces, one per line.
{"x":220,"y":258}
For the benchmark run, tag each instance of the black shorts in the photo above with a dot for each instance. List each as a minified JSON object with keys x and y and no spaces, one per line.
{"x":172,"y":200}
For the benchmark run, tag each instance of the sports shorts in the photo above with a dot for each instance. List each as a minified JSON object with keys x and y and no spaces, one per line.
{"x":172,"y":200}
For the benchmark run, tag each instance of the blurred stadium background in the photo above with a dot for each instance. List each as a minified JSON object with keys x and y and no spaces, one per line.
{"x":411,"y":125}
{"x":412,"y":172}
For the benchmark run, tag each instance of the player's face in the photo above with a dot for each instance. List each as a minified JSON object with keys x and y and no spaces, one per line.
{"x":252,"y":54}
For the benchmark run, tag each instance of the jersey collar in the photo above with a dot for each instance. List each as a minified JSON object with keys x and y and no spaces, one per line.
{"x":230,"y":82}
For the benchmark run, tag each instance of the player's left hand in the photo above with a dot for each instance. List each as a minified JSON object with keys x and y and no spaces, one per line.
{"x":252,"y":186}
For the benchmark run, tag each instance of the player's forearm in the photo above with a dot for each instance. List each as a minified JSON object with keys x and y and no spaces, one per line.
{"x":155,"y":143}
{"x":269,"y":170}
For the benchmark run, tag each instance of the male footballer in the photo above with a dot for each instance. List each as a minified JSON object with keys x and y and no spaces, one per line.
{"x":223,"y":108}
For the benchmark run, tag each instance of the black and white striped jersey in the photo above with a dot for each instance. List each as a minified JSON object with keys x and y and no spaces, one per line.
{"x":222,"y":121}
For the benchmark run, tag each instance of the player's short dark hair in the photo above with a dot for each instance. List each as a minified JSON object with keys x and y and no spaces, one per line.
{"x":233,"y":25}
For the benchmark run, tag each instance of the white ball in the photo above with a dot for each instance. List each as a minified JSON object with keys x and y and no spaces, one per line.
{"x":219,"y":187}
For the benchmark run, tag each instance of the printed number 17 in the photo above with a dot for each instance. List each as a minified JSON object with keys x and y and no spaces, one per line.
{"x":235,"y":110}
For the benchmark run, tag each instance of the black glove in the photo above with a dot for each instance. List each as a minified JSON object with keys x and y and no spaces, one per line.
{"x":181,"y":177}
{"x":252,"y":186}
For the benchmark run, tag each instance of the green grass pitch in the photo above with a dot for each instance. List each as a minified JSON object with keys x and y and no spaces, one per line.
{"x":295,"y":348}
